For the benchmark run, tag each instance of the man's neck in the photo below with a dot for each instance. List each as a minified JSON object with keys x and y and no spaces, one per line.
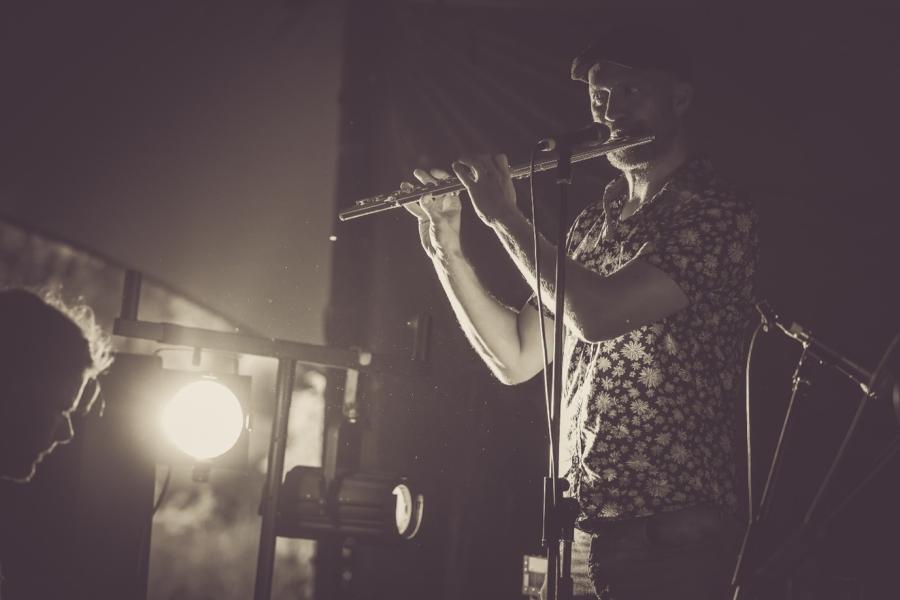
{"x":645,"y":181}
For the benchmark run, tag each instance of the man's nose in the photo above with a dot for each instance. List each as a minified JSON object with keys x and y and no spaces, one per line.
{"x":64,"y":432}
{"x":614,"y":108}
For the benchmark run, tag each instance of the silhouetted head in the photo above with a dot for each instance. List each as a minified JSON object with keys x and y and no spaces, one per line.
{"x":50,"y":355}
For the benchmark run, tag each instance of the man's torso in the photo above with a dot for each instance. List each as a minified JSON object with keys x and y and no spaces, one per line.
{"x":650,"y":414}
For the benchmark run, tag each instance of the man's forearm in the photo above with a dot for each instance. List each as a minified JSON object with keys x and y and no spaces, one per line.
{"x":489,"y":325}
{"x":597,"y":307}
{"x":516,"y":235}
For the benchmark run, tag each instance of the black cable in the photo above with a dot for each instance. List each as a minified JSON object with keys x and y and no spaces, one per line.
{"x":540,"y":306}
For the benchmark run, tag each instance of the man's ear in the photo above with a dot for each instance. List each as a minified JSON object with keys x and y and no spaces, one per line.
{"x":682,"y":96}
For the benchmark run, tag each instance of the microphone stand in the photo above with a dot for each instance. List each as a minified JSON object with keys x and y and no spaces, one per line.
{"x":800,"y":388}
{"x":798,"y":545}
{"x":815,"y":525}
{"x":559,"y":513}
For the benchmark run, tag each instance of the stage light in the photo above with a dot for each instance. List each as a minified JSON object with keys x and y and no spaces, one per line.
{"x":408,"y":511}
{"x":363,"y":505}
{"x":203,"y":419}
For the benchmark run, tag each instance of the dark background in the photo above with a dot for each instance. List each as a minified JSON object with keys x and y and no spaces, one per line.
{"x":796,"y":103}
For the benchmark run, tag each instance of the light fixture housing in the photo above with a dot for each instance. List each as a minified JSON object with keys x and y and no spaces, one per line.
{"x":363,"y":505}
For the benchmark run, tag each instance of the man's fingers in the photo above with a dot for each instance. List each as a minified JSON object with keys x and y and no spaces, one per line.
{"x":502,"y":163}
{"x":465,"y":171}
{"x":415,"y":209}
{"x":449,"y":202}
{"x":434,"y":207}
{"x":424,"y":177}
{"x":412,"y":207}
{"x":429,"y":205}
{"x":440,"y":174}
{"x":476,"y":168}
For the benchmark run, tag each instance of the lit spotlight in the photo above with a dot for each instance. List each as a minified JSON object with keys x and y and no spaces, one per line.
{"x":203,"y":419}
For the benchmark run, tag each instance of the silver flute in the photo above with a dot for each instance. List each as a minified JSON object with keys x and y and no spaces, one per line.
{"x":396,"y":199}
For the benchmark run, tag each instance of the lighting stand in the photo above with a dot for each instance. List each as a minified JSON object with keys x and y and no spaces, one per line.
{"x":288,"y":354}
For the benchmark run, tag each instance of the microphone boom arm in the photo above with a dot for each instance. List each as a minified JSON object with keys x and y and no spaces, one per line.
{"x":398,"y":198}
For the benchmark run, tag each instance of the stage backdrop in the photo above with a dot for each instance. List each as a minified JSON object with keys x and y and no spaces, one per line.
{"x":193,"y":141}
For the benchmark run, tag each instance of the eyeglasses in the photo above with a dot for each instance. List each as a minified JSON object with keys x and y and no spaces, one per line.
{"x":90,"y":393}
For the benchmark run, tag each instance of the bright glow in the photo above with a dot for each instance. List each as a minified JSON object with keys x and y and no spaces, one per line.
{"x":204,"y":419}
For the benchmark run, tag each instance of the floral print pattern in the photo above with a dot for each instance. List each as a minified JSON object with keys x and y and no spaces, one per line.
{"x":649,"y":416}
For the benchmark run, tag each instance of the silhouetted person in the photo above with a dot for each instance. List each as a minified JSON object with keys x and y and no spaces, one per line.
{"x":50,"y":356}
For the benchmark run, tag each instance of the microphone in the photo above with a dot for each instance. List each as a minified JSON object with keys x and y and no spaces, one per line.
{"x":595,"y":132}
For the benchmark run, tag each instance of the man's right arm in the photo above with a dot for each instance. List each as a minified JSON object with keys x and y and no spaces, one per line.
{"x":508,"y":341}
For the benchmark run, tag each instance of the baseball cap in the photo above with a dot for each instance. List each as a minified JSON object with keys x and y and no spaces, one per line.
{"x":639,"y":48}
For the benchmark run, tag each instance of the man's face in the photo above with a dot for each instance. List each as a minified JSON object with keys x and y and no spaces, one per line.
{"x":634,"y":102}
{"x":37,"y":418}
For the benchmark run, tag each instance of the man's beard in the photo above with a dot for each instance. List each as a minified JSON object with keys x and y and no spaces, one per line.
{"x":643,"y":155}
{"x":634,"y":157}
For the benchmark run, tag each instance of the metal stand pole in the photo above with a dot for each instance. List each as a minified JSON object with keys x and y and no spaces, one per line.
{"x":887,"y":456}
{"x":813,"y":526}
{"x":800,"y":387}
{"x":131,"y":295}
{"x":265,"y":563}
{"x":559,"y":514}
{"x":798,"y":545}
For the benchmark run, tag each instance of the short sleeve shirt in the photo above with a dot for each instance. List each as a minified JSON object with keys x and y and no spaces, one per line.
{"x":648,"y":417}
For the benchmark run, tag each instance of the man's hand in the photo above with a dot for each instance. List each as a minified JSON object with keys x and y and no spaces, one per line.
{"x":489,"y":184}
{"x":438,"y":216}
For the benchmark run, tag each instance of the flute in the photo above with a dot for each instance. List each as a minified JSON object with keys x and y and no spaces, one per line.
{"x":398,"y":198}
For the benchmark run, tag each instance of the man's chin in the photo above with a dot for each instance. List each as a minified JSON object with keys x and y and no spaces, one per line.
{"x":642,"y":156}
{"x":630,"y":158}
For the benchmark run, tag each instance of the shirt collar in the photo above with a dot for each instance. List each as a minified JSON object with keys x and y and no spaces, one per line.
{"x":694,"y":170}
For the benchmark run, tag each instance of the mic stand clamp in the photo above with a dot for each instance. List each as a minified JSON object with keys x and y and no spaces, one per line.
{"x":559,"y":533}
{"x":818,"y":350}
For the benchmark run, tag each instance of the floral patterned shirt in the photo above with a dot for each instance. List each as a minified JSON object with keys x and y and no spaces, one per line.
{"x":648,"y":417}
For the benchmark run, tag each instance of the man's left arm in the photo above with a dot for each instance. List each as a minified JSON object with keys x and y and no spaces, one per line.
{"x":597,"y":307}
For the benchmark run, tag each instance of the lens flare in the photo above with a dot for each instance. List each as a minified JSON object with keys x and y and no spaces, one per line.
{"x":203,"y":419}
